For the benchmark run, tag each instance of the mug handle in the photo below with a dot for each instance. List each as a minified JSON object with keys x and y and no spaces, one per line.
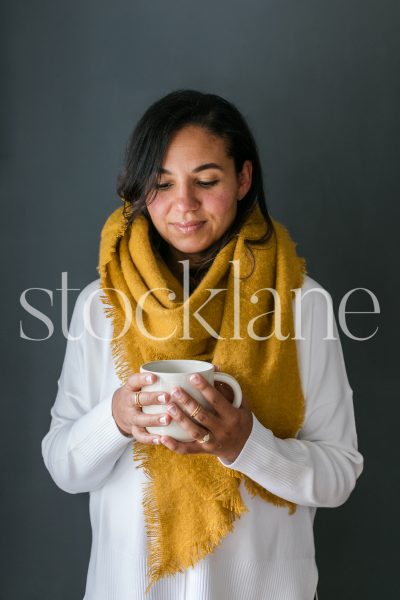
{"x":231,"y":381}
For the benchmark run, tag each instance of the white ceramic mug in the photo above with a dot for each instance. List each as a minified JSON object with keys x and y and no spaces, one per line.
{"x":174,"y":373}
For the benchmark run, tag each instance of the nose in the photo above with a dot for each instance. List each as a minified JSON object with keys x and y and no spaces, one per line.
{"x":185,"y":198}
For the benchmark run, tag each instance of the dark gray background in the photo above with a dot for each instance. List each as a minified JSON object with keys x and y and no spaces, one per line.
{"x":319,"y":84}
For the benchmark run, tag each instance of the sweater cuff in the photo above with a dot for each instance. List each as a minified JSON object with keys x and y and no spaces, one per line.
{"x":96,"y":433}
{"x":261,"y":458}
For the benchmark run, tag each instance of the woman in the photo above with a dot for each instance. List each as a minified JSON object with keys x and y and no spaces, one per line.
{"x":229,"y":515}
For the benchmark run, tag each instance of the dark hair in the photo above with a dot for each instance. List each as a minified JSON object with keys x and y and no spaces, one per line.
{"x":148,"y":145}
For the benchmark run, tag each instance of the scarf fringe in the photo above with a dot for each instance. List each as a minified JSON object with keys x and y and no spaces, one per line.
{"x":118,"y":349}
{"x":232,"y":504}
{"x":255,"y":489}
{"x":118,"y":224}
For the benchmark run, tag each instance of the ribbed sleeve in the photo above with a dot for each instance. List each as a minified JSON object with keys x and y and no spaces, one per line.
{"x":80,"y":455}
{"x":321,"y":465}
{"x":84,"y":442}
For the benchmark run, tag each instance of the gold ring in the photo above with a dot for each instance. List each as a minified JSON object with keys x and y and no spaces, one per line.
{"x":196,"y":411}
{"x":205,"y":439}
{"x":136,"y":396}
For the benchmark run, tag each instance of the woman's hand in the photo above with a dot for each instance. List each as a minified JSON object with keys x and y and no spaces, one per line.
{"x":229,"y":427}
{"x":129,"y":417}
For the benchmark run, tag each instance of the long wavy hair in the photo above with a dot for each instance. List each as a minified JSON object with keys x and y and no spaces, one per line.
{"x":147,"y":147}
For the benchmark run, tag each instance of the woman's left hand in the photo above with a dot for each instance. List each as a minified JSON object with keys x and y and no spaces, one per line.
{"x":228,"y":427}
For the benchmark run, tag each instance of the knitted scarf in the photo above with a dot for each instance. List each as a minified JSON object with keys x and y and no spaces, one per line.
{"x":191,"y":501}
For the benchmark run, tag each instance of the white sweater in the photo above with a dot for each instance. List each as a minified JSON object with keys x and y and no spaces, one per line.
{"x":270,"y":554}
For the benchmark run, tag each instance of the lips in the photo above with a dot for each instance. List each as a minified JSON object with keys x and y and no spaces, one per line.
{"x":188,"y":226}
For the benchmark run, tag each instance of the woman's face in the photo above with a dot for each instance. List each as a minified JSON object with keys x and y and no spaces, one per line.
{"x":196,"y":201}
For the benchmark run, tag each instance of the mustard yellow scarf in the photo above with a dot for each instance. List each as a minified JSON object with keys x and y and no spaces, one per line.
{"x":191,"y":501}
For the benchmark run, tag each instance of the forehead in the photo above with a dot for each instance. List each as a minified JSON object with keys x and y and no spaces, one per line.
{"x":192,"y":143}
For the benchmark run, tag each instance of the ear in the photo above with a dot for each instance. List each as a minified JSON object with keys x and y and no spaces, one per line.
{"x":245,"y":178}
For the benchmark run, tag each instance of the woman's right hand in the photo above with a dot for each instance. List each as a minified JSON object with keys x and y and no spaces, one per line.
{"x":130,"y":419}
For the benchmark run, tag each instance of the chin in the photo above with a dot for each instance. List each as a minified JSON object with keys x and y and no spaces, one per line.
{"x":191,"y":248}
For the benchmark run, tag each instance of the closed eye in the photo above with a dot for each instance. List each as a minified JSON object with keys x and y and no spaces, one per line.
{"x":166,"y":186}
{"x":208,"y":183}
{"x":162,"y":186}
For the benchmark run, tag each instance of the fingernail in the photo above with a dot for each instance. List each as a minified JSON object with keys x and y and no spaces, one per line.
{"x":171,"y":409}
{"x":176,"y":392}
{"x":195,"y":378}
{"x":162,"y":398}
{"x":149,"y":378}
{"x":163,"y":420}
{"x":156,"y":440}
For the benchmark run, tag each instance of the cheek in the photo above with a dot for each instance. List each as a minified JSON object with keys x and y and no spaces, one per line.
{"x":156,"y":210}
{"x":223,"y":205}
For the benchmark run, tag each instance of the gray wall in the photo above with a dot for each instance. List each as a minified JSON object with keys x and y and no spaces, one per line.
{"x":319,"y":83}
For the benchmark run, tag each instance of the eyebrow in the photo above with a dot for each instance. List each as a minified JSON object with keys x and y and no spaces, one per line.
{"x":203,"y":167}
